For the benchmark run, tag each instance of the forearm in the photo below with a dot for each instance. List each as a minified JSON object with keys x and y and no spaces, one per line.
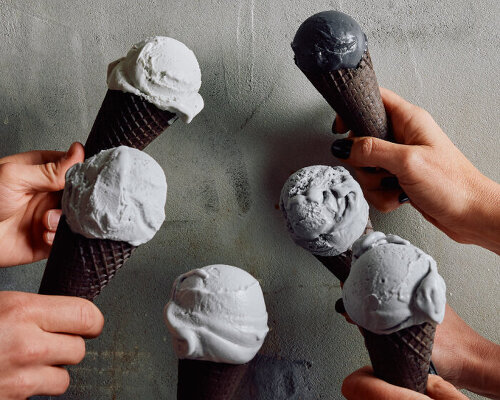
{"x":482,"y":222}
{"x":4,"y":246}
{"x":465,"y":358}
{"x":481,"y":373}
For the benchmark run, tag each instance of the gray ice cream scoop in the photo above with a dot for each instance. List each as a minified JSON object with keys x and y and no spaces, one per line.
{"x":118,"y":194}
{"x":392,"y":285}
{"x":329,"y":40}
{"x":324,"y":208}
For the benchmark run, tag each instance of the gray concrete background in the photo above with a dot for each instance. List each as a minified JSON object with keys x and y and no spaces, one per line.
{"x":262,"y":121}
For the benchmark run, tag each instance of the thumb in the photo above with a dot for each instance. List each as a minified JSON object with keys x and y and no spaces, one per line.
{"x":439,"y":389}
{"x":373,"y":152}
{"x":51,"y":176}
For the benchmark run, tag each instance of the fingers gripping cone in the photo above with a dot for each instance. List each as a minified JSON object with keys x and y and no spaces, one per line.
{"x":331,"y":50}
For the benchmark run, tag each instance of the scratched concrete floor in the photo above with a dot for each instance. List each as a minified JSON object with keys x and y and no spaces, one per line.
{"x":262,"y":121}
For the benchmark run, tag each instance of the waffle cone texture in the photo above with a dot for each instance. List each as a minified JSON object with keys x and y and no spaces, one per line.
{"x":354,"y":94}
{"x":78,"y":266}
{"x":126,"y":119}
{"x":402,"y":358}
{"x":206,"y":380}
{"x":81,"y":267}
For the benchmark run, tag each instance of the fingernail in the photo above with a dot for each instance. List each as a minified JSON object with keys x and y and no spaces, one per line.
{"x":69,"y":152}
{"x":53,"y":220}
{"x":339,"y":306}
{"x":403,"y":198}
{"x":432,"y":369}
{"x":342,"y":148}
{"x":334,"y":126}
{"x":49,"y":237}
{"x":389,"y":182}
{"x":370,"y":169}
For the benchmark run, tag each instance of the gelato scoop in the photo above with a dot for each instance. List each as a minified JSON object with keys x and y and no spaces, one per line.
{"x":118,"y":194}
{"x":329,"y":40}
{"x":392,"y":285}
{"x":217,"y":313}
{"x":163,"y":71}
{"x":324,"y":208}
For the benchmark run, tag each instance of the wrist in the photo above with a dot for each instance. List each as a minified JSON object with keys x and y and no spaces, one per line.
{"x":3,"y":250}
{"x":481,"y":223}
{"x":481,"y":367}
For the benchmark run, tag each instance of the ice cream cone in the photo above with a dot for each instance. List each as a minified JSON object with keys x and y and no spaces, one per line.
{"x":133,"y":113}
{"x":126,"y":119}
{"x":217,"y":331}
{"x":396,"y":296}
{"x":78,"y":266}
{"x":332,"y":51}
{"x":403,"y":357}
{"x":81,"y":267}
{"x":355,"y":95}
{"x":206,"y":380}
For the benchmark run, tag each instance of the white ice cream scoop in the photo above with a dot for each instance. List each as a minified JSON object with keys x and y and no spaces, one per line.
{"x":217,"y":313}
{"x":324,"y":208}
{"x":163,"y":71}
{"x":392,"y":285}
{"x":118,"y":194}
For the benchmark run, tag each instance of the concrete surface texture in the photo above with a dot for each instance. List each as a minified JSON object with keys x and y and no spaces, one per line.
{"x":262,"y":121}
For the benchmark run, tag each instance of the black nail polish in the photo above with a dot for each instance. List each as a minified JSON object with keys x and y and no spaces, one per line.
{"x":432,"y":369}
{"x":342,"y":148}
{"x":403,"y":198}
{"x":389,"y":182}
{"x":339,"y":306}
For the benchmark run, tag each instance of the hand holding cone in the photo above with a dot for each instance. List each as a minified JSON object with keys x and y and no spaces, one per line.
{"x":331,"y":50}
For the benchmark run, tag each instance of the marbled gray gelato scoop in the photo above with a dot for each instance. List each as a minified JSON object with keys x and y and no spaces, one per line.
{"x":324,"y":208}
{"x":392,"y":285}
{"x":327,"y":41}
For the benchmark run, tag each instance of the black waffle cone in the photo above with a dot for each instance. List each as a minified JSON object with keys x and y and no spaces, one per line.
{"x":206,"y":380}
{"x":78,"y":266}
{"x":355,"y":95}
{"x":402,"y":358}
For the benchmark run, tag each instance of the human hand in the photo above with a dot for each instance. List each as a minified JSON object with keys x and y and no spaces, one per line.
{"x":465,"y":358}
{"x":363,"y":385}
{"x":425,"y":168}
{"x":38,"y":335}
{"x":29,"y":194}
{"x":461,"y":356}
